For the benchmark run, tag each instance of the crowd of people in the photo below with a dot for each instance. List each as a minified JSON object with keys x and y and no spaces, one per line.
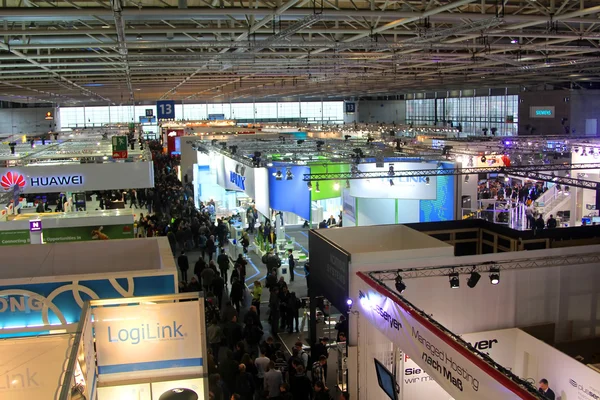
{"x":245,"y":361}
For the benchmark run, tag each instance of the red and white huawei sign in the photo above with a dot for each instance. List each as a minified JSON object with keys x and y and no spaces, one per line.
{"x":10,"y":179}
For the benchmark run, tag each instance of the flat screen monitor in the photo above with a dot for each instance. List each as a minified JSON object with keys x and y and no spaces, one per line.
{"x":596,"y":220}
{"x":586,"y":220}
{"x":387,"y":381}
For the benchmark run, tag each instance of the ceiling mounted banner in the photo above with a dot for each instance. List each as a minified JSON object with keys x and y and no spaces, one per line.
{"x":389,"y":187}
{"x":233,"y":175}
{"x":460,"y":372}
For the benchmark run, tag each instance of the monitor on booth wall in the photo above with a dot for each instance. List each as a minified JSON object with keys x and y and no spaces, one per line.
{"x":386,"y":380}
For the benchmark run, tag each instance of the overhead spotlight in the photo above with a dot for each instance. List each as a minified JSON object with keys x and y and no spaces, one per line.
{"x":349,"y":303}
{"x":400,"y":286}
{"x":494,"y":130}
{"x":309,"y":185}
{"x":139,"y":37}
{"x":398,"y":145}
{"x":566,"y":191}
{"x":354,"y":170}
{"x":391,"y":170}
{"x":214,"y":142}
{"x":336,"y":186}
{"x":584,"y":152}
{"x":558,"y":188}
{"x":299,"y":141}
{"x":483,"y":159}
{"x":427,"y":180}
{"x":370,"y":139}
{"x":391,"y":182}
{"x":317,"y":190}
{"x":466,"y":178}
{"x":494,"y":276}
{"x":514,"y":41}
{"x":473,"y":279}
{"x":233,"y":149}
{"x":470,"y":163}
{"x":288,"y":174}
{"x":454,"y":281}
{"x":506,"y":178}
{"x":576,"y":149}
{"x":223,"y":145}
{"x":278,"y":175}
{"x":347,"y":137}
{"x":347,"y":184}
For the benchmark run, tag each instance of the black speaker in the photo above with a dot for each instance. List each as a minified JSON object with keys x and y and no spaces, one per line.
{"x":179,"y":394}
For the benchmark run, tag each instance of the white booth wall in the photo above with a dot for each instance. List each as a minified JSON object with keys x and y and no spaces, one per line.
{"x":585,"y":197}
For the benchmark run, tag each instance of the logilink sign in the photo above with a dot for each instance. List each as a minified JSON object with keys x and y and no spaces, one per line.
{"x":146,"y":332}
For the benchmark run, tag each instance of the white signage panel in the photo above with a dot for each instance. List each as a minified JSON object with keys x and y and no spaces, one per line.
{"x":233,"y":175}
{"x":499,"y":345}
{"x":149,"y":337}
{"x":410,"y":188}
{"x":77,"y":177}
{"x":32,"y":368}
{"x":460,"y":373}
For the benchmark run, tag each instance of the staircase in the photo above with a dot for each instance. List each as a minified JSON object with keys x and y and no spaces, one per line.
{"x":553,"y":201}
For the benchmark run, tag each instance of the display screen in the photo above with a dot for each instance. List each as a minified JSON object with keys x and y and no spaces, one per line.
{"x":386,"y":380}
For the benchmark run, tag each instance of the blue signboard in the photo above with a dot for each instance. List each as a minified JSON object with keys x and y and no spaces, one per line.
{"x":216,"y":117}
{"x":350,"y":108}
{"x":55,"y":303}
{"x":290,"y":195}
{"x":147,"y":120}
{"x":165,"y":109}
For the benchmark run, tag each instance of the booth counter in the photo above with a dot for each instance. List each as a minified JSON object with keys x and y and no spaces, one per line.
{"x":67,"y":227}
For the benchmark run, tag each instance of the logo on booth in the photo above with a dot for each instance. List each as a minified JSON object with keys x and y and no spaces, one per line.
{"x":18,"y":380}
{"x":237,"y":177}
{"x":146,"y":332}
{"x":585,"y":390}
{"x":10,"y":179}
{"x":16,"y":303}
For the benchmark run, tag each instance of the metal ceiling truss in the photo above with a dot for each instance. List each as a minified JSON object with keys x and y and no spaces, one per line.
{"x":463,"y":269}
{"x":531,"y":171}
{"x":201,"y":50}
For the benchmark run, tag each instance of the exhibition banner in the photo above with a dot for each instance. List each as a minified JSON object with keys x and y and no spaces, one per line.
{"x":32,"y":368}
{"x":14,"y":237}
{"x":416,"y":384}
{"x":291,"y":195}
{"x":149,"y":338}
{"x":349,"y":208}
{"x":78,"y":177}
{"x":459,"y":371}
{"x":60,"y":302}
{"x":233,"y":175}
{"x":410,"y":188}
{"x":85,"y":233}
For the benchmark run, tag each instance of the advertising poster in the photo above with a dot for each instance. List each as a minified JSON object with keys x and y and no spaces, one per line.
{"x":149,"y":339}
{"x":11,"y":238}
{"x":86,"y":233}
{"x":460,"y":373}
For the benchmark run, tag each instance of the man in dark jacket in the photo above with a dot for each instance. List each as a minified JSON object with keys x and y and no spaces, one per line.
{"x":210,"y":247}
{"x":218,"y":286}
{"x":223,"y":261}
{"x":320,"y":349}
{"x":237,"y":294}
{"x":244,"y":384}
{"x":184,"y":265}
{"x":300,"y":384}
{"x":232,"y":332}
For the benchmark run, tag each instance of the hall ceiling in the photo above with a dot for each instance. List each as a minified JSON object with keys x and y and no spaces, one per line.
{"x":106,"y":52}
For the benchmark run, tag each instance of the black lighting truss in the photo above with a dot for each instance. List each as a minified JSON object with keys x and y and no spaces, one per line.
{"x":516,"y":171}
{"x":523,"y":384}
{"x":525,"y":263}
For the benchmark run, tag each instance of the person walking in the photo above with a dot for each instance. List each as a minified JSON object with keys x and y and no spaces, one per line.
{"x":291,"y":264}
{"x":184,"y":266}
{"x":237,"y":294}
{"x":223,"y":262}
{"x":210,"y":247}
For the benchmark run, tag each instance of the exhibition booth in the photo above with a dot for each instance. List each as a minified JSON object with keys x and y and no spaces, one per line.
{"x":525,"y":288}
{"x":48,"y":285}
{"x":431,"y":362}
{"x":45,"y":228}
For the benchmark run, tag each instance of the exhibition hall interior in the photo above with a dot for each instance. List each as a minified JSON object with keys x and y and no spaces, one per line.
{"x":299,"y":200}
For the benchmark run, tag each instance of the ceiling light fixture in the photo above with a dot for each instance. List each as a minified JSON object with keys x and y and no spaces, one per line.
{"x":454,"y":281}
{"x":347,"y":184}
{"x":400,"y":286}
{"x":288,"y":174}
{"x":317,"y":190}
{"x":309,"y":186}
{"x":473,"y":278}
{"x":336,"y":186}
{"x":427,"y":180}
{"x":494,"y":276}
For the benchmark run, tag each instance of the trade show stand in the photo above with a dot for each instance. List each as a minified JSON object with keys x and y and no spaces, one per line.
{"x":140,"y":348}
{"x":478,"y":236}
{"x":67,"y":227}
{"x":48,"y":285}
